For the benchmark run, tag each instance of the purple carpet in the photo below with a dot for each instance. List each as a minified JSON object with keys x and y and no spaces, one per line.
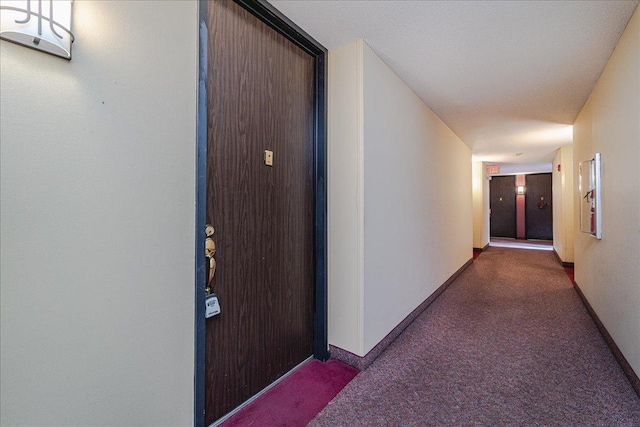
{"x":509,"y":343}
{"x":298,"y":398}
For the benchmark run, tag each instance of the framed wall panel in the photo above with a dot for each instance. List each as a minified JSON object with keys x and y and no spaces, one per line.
{"x":590,"y":188}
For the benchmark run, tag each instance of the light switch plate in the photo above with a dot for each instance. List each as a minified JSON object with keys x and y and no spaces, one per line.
{"x":268,"y":157}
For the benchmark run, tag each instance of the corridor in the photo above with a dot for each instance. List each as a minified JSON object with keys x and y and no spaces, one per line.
{"x":508,"y":343}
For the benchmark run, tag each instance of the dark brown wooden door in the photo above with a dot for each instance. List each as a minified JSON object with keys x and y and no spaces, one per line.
{"x":502,"y":201}
{"x":260,"y":97}
{"x":538,"y":212}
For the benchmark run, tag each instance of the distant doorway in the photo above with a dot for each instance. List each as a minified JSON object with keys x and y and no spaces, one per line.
{"x":538,"y":209}
{"x":502,"y":202}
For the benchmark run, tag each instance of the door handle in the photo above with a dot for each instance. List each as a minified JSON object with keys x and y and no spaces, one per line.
{"x":209,"y":252}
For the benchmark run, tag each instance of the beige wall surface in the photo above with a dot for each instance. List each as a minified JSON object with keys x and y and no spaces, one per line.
{"x":97,"y":219}
{"x":417,"y":200}
{"x":563,"y":193}
{"x":345,"y":197}
{"x":480,"y":205}
{"x":413,"y":228}
{"x":607,"y":270}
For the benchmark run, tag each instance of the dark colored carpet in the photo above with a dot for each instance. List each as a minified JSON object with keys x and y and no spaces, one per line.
{"x":509,"y":343}
{"x":296,"y":399}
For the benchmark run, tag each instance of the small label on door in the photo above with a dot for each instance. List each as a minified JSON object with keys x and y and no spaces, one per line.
{"x":212,"y":306}
{"x":268,"y":157}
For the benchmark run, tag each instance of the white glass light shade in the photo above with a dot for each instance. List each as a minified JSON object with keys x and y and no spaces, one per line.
{"x":39,"y":24}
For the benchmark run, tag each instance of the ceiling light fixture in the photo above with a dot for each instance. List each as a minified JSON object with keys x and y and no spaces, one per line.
{"x":43,"y":25}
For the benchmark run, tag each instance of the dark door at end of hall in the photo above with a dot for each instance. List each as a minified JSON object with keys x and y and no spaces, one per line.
{"x":260,"y":93}
{"x":502,"y":202}
{"x":538,"y":210}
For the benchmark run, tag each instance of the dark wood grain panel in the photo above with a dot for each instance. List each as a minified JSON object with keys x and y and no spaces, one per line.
{"x":538,"y":209}
{"x":260,"y":94}
{"x":502,"y":201}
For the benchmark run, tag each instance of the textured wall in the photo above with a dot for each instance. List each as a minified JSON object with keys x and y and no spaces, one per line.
{"x":97,"y":217}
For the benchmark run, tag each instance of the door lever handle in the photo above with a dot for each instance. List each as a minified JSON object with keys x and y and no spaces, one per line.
{"x":209,"y":252}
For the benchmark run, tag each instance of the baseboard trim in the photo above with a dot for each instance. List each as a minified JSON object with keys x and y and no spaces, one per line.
{"x":481,"y":249}
{"x":364,"y":362}
{"x":626,"y":367}
{"x":562,"y":263}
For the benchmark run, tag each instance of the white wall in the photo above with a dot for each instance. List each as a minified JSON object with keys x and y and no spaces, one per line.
{"x":417,"y":200}
{"x":480,"y":205}
{"x":417,"y":209}
{"x":607,"y":270}
{"x":345,"y":198}
{"x":562,"y":182}
{"x":97,"y":218}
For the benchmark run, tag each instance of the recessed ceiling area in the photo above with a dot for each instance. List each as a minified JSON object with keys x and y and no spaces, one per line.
{"x":508,"y":77}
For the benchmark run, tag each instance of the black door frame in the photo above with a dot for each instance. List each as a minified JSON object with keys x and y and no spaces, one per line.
{"x":276,"y":20}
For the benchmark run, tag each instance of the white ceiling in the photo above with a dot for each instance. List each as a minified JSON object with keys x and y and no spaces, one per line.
{"x":507,"y":77}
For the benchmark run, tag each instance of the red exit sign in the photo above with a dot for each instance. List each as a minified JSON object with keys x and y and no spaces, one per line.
{"x":493,"y":169}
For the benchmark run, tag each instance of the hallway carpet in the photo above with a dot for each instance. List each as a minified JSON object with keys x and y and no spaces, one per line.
{"x":509,"y":343}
